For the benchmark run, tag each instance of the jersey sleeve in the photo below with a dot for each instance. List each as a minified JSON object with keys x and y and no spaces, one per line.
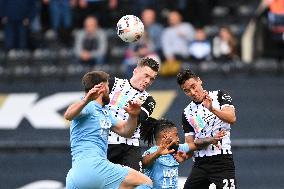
{"x":147,"y":109}
{"x":187,"y":128}
{"x":183,"y":147}
{"x":224,"y":99}
{"x":85,"y":111}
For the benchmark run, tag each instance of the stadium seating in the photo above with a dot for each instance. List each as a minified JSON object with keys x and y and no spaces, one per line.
{"x":52,"y":58}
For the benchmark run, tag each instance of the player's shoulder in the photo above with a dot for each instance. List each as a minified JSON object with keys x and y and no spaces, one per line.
{"x":115,"y":82}
{"x":222,"y":91}
{"x":92,"y":108}
{"x":225,"y":95}
{"x":189,"y":106}
{"x":149,"y":98}
{"x":213,"y":92}
{"x":120,"y":80}
{"x":219,"y":93}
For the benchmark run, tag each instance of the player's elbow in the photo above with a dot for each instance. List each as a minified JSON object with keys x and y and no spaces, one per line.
{"x":233,"y":120}
{"x":67,"y":116}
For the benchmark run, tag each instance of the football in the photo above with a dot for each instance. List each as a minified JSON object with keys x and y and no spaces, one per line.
{"x":130,"y":28}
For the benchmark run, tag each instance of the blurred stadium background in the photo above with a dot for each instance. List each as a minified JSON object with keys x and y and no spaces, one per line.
{"x":37,"y":83}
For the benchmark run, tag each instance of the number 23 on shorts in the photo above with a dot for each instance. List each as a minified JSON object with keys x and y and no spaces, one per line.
{"x":229,"y":184}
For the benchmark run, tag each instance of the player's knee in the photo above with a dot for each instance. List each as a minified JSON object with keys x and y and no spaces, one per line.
{"x":149,"y":181}
{"x":136,"y":178}
{"x":145,"y":179}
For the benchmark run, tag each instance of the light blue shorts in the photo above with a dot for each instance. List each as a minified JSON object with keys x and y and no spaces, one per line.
{"x":95,"y":173}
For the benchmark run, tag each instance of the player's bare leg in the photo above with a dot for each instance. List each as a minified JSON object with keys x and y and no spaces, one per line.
{"x":134,"y":179}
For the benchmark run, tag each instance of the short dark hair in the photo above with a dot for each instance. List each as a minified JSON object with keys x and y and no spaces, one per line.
{"x":150,"y":62}
{"x":185,"y":75}
{"x":93,"y":78}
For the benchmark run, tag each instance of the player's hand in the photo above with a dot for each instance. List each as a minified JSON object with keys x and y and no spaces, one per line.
{"x":219,"y":136}
{"x":180,"y":156}
{"x":94,"y":92}
{"x":133,"y":107}
{"x":164,"y":147}
{"x":207,"y":101}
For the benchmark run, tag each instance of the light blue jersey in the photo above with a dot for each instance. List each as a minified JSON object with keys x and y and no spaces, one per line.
{"x":164,"y":170}
{"x":89,"y":132}
{"x":89,"y":137}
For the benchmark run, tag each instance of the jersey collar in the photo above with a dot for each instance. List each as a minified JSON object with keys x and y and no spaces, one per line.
{"x":133,"y":86}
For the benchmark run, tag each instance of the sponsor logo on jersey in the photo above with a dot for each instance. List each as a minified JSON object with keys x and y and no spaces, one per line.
{"x":197,"y":123}
{"x":119,"y":99}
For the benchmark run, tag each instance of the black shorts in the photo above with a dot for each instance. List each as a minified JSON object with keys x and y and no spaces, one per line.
{"x":219,"y":169}
{"x":124,"y":154}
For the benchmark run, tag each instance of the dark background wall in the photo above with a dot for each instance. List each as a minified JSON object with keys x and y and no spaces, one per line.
{"x":28,"y":155}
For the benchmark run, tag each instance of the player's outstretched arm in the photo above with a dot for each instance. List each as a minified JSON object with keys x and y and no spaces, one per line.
{"x":195,"y":144}
{"x":74,"y":109}
{"x":204,"y":142}
{"x":181,"y":156}
{"x":127,"y":128}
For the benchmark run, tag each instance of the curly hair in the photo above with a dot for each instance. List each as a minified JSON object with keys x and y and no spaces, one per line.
{"x":151,"y":128}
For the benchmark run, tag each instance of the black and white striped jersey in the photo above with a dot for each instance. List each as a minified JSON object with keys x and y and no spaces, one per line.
{"x":121,"y":92}
{"x":199,"y":121}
